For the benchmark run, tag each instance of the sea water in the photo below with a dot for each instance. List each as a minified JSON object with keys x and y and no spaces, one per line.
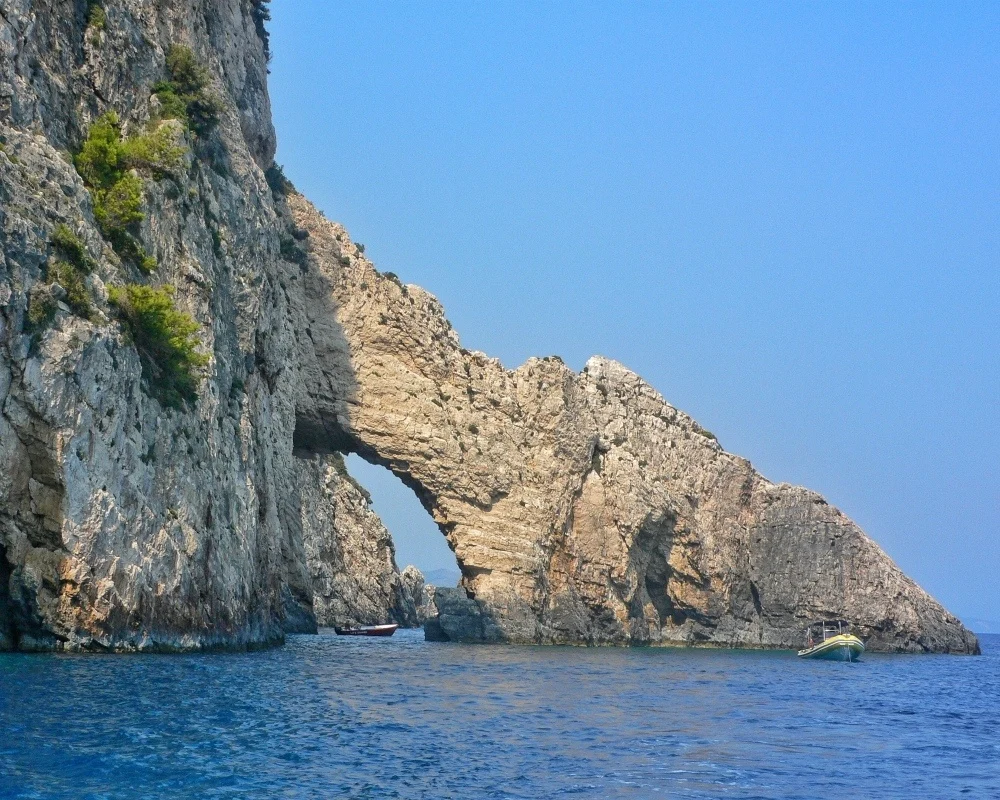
{"x":327,"y":717}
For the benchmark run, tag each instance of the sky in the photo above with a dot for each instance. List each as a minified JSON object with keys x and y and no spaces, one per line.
{"x":785,"y":217}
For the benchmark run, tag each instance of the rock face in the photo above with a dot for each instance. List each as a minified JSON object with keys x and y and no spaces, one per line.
{"x":420,"y":593}
{"x":124,"y":525}
{"x":350,"y":553}
{"x":581,"y":507}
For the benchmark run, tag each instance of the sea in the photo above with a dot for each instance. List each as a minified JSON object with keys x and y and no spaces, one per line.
{"x":342,"y":717}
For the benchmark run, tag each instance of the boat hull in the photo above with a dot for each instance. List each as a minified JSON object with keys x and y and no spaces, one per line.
{"x":844,"y":647}
{"x":368,"y":630}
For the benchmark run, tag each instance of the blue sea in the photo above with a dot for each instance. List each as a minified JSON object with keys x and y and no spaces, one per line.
{"x":329,"y":717}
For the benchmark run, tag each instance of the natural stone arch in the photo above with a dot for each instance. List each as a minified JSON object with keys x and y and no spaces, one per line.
{"x":570,"y":500}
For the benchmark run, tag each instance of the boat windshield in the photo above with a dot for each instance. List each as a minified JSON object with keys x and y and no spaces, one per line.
{"x":821,"y":631}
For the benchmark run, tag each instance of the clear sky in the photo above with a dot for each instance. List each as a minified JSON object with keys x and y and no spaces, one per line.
{"x":786,"y":217}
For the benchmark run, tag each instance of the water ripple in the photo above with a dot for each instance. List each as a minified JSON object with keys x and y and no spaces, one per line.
{"x":334,"y":717}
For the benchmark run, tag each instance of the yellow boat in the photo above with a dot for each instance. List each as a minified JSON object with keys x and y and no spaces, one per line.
{"x":832,"y":641}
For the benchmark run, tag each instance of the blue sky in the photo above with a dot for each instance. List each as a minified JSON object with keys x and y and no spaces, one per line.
{"x":786,"y":217}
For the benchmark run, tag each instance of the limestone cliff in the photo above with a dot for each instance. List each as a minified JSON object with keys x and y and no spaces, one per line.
{"x":124,"y":523}
{"x":581,"y":507}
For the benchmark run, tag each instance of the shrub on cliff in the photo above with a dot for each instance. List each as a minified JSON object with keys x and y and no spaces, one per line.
{"x":96,"y":16}
{"x":72,"y":248}
{"x":276,"y":180}
{"x":42,"y":306}
{"x":186,"y":95}
{"x":166,"y":339}
{"x":109,"y":164}
{"x":261,"y":16}
{"x":68,"y":269}
{"x":72,"y":281}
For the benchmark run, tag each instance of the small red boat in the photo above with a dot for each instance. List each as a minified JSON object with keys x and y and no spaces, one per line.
{"x":368,"y":630}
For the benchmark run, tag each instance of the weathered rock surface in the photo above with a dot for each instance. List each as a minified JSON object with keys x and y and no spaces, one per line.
{"x":582,"y":508}
{"x":419,"y":592}
{"x":124,"y":525}
{"x":350,"y":553}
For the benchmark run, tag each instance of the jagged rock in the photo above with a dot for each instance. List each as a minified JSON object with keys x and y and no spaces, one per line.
{"x":459,"y":618}
{"x":349,"y":551}
{"x":420,"y":592}
{"x":125,"y":525}
{"x":581,"y":507}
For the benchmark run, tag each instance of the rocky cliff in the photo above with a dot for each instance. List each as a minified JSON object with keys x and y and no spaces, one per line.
{"x":352,"y":564}
{"x":168,"y":455}
{"x":126,"y":523}
{"x":582,"y":508}
{"x":420,"y":592}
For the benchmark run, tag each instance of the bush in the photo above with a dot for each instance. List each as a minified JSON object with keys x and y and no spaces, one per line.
{"x":72,"y":280}
{"x":69,"y":268}
{"x":106,"y":162}
{"x":119,"y":205}
{"x":99,"y":159}
{"x":185,"y":70}
{"x":186,"y":96}
{"x":707,"y":434}
{"x":166,"y":339}
{"x":156,"y":151}
{"x":172,"y":105}
{"x":292,"y":251}
{"x":41,"y":307}
{"x":280,"y":185}
{"x":70,"y":246}
{"x":96,"y":16}
{"x":262,"y":15}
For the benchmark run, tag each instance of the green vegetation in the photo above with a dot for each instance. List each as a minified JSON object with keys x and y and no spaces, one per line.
{"x":166,"y":338}
{"x":41,"y":307}
{"x":707,"y":434}
{"x":262,"y":15}
{"x":72,"y":248}
{"x":96,"y":16}
{"x":155,"y":151}
{"x":292,"y":251}
{"x":69,"y":269}
{"x":185,"y":96}
{"x":280,"y":185}
{"x":106,"y":162}
{"x":72,"y":280}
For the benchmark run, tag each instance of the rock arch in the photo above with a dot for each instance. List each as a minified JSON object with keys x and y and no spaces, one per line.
{"x":580,"y":507}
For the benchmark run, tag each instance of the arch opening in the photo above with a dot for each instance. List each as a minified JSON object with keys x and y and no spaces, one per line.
{"x":418,"y":540}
